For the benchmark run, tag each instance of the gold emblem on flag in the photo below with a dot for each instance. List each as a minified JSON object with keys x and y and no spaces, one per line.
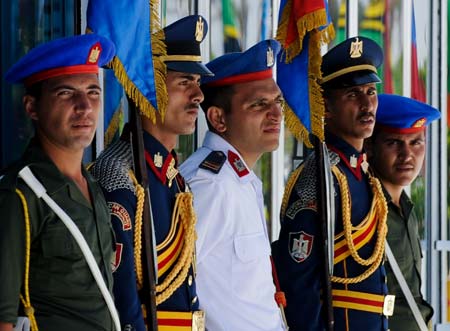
{"x":94,"y":54}
{"x":199,"y":30}
{"x":270,"y":58}
{"x":356,"y":48}
{"x":158,"y":160}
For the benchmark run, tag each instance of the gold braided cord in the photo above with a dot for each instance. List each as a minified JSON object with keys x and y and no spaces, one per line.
{"x":137,"y":238}
{"x":288,"y":188}
{"x":380,"y":205}
{"x":29,"y":311}
{"x":183,"y":212}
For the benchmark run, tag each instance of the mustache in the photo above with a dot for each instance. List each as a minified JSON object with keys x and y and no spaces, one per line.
{"x":366,"y":114}
{"x":192,"y":106}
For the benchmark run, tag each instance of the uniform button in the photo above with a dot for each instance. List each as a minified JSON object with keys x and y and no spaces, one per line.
{"x":190,"y":280}
{"x":194,"y":300}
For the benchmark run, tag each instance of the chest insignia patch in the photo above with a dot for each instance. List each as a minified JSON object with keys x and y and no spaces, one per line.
{"x":300,"y":245}
{"x":119,"y":211}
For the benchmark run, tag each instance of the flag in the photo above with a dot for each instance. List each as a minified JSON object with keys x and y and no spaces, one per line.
{"x":132,"y":26}
{"x":304,"y":26}
{"x":231,"y":33}
{"x":113,"y":107}
{"x":373,"y":26}
{"x":388,"y":83}
{"x":418,"y":90}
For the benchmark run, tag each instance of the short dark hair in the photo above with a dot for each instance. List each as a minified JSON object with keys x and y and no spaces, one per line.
{"x":218,"y":96}
{"x":34,"y":90}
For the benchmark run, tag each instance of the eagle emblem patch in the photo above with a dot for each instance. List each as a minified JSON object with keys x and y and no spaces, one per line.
{"x":300,"y":245}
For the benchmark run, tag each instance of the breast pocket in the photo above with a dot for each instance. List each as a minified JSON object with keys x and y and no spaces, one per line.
{"x":251,"y":262}
{"x":57,"y":241}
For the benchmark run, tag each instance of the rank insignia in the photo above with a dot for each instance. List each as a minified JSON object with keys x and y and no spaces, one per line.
{"x":300,"y":245}
{"x":214,"y":161}
{"x":237,"y":164}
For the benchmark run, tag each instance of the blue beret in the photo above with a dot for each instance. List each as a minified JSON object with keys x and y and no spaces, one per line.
{"x":353,"y":62}
{"x":254,"y":64}
{"x":399,"y":114}
{"x":182,"y":39}
{"x":64,"y":56}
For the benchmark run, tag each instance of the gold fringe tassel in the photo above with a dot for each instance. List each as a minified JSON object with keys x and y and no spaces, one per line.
{"x":114,"y":126}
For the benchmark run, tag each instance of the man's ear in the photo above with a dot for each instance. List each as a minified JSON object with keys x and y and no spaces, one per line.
{"x":216,"y":117}
{"x":30,"y":105}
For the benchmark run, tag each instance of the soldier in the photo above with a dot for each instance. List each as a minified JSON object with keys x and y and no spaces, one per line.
{"x":243,"y":107}
{"x":358,"y":283}
{"x":396,"y":152}
{"x":176,"y":297}
{"x":40,"y":259}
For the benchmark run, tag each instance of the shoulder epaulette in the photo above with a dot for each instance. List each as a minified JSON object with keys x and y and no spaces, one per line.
{"x":214,"y":161}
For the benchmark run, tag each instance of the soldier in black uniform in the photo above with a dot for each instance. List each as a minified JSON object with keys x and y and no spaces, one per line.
{"x":174,"y":218}
{"x":40,"y":259}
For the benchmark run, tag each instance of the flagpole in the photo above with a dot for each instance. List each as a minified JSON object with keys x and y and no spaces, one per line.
{"x":326,"y":227}
{"x":151,"y":268}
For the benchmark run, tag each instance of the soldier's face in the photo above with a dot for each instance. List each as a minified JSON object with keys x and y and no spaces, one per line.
{"x":66,"y":113}
{"x":397,"y":158}
{"x":350,"y":112}
{"x":185,"y":97}
{"x":253,"y":124}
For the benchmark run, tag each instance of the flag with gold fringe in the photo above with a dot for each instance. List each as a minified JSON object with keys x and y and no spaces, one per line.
{"x":304,"y":26}
{"x":113,"y":114}
{"x":134,"y":28}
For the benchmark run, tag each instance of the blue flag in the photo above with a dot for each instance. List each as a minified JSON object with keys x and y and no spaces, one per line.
{"x":131,"y":25}
{"x":304,"y":26}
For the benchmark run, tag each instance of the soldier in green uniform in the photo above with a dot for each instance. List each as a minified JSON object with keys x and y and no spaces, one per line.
{"x":396,"y":152}
{"x":43,"y":271}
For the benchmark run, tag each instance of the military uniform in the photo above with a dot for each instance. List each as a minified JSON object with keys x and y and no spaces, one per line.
{"x":233,"y":251}
{"x":401,"y":120}
{"x":171,"y":206}
{"x":403,"y":237}
{"x":112,"y":169}
{"x":63,"y":291}
{"x":358,"y":280}
{"x":298,"y":252}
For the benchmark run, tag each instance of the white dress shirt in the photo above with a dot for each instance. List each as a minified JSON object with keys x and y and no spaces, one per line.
{"x":234,"y":274}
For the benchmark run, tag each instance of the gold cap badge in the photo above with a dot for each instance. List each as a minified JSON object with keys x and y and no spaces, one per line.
{"x":94,"y":54}
{"x":270,"y":58}
{"x":199,"y":30}
{"x":356,"y":48}
{"x":419,"y":123}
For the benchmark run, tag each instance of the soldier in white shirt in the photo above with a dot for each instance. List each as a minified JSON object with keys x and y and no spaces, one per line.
{"x":243,"y":106}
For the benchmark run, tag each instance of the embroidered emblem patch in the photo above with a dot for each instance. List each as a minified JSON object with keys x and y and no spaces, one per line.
{"x":237,"y":164}
{"x":116,"y":209}
{"x":300,"y":245}
{"x":117,"y":257}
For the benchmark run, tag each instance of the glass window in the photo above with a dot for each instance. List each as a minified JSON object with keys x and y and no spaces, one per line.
{"x":26,"y":24}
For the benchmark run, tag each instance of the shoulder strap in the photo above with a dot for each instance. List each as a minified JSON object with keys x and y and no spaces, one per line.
{"x":405,"y":288}
{"x":40,"y":191}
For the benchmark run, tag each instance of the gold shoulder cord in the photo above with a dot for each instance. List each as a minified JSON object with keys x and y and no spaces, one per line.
{"x":29,"y":311}
{"x":289,"y":186}
{"x":183,"y":211}
{"x":379,"y":203}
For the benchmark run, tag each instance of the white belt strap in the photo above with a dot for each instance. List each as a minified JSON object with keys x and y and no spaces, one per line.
{"x":405,"y":288}
{"x":40,"y":191}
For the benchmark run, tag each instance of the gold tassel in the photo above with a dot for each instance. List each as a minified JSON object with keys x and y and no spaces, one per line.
{"x":295,"y":126}
{"x":114,"y":126}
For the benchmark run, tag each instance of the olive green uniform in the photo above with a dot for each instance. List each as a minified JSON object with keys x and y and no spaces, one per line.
{"x":403,"y":238}
{"x":62,"y":289}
